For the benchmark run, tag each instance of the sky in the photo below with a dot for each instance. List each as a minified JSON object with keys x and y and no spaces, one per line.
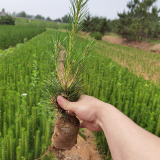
{"x":58,"y":8}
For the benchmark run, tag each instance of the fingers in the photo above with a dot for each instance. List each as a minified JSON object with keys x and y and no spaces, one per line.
{"x":65,"y":104}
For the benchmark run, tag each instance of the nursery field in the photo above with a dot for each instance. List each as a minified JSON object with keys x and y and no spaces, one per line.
{"x":40,"y":24}
{"x":11,"y":35}
{"x":142,"y":63}
{"x":25,"y":123}
{"x":26,"y":118}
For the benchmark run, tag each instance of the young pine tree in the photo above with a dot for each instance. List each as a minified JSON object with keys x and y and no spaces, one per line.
{"x":69,"y":59}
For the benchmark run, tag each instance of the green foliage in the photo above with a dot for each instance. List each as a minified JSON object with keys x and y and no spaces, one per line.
{"x":3,"y":10}
{"x":141,"y":21}
{"x":140,"y":62}
{"x":25,"y":120}
{"x":39,"y":24}
{"x":21,"y":14}
{"x":11,"y":35}
{"x":95,"y":24}
{"x":96,"y":35}
{"x":65,"y":47}
{"x":65,"y":19}
{"x":7,"y":20}
{"x":39,"y":17}
{"x":48,"y":19}
{"x":57,"y":20}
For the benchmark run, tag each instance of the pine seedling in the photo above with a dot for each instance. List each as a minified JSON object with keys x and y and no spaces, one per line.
{"x":70,"y":57}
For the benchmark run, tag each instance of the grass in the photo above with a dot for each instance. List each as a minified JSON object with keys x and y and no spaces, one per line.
{"x":40,"y":24}
{"x":112,"y":34}
{"x":11,"y":35}
{"x":25,"y":120}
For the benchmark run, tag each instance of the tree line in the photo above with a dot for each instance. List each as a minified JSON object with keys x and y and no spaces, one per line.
{"x":23,"y":14}
{"x":95,"y":24}
{"x":141,"y":21}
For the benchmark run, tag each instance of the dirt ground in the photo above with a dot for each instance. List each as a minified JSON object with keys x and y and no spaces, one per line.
{"x":150,"y":47}
{"x":83,"y":150}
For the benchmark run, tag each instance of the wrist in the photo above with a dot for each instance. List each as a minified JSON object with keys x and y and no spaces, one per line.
{"x":103,"y":113}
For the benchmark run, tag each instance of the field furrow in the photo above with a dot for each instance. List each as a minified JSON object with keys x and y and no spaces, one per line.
{"x":142,"y":63}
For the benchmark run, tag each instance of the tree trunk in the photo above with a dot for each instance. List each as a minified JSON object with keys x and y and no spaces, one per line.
{"x":146,"y":38}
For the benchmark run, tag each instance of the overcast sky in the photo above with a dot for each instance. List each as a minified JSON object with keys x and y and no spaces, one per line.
{"x":58,"y":8}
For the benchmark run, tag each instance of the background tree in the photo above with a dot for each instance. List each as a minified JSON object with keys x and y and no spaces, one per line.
{"x":39,"y":17}
{"x":21,"y":14}
{"x":29,"y":16}
{"x":57,"y":20}
{"x":102,"y":27}
{"x":3,"y":10}
{"x":14,"y":14}
{"x":95,"y":24}
{"x":86,"y":23}
{"x":48,"y":19}
{"x":125,"y":20}
{"x":65,"y":19}
{"x":141,"y":21}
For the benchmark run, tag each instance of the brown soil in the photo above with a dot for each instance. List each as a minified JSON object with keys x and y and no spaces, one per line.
{"x":83,"y":150}
{"x":65,"y":132}
{"x":131,"y":43}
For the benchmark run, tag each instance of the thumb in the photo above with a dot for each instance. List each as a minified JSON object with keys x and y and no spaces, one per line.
{"x":65,"y":104}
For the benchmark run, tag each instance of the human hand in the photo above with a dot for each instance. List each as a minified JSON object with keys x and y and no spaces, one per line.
{"x":86,"y":108}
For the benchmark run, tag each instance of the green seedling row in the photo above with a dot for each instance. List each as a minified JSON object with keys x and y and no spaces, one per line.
{"x":40,"y":24}
{"x":11,"y":35}
{"x":142,"y":63}
{"x":26,"y":121}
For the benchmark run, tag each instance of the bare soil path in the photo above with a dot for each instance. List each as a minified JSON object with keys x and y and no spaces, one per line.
{"x":83,"y":150}
{"x":150,"y":47}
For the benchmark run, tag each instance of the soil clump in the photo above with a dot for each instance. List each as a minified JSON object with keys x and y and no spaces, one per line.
{"x":65,"y":132}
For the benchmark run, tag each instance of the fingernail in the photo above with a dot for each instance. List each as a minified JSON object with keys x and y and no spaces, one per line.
{"x":60,"y":99}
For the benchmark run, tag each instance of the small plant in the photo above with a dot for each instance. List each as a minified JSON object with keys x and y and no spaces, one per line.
{"x":96,"y":35}
{"x":69,"y":61}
